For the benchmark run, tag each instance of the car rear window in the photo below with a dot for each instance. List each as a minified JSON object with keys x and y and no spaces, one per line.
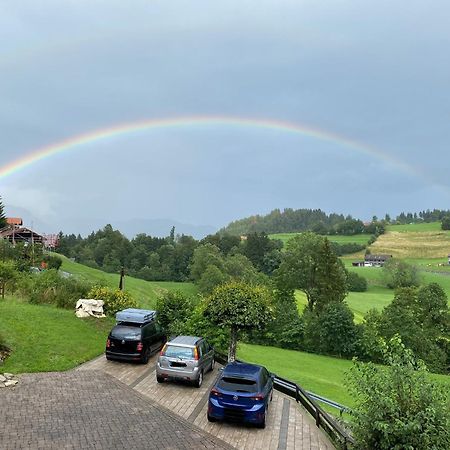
{"x":123,"y":332}
{"x":173,"y":351}
{"x":238,"y":384}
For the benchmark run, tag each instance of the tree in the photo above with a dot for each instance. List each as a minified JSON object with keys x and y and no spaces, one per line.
{"x":332,"y":332}
{"x":204,"y":256}
{"x":445,"y":225}
{"x":398,"y":407}
{"x":356,"y":283}
{"x":3,"y":222}
{"x":309,"y":264}
{"x":419,"y":317}
{"x":399,"y":274}
{"x":238,"y":307}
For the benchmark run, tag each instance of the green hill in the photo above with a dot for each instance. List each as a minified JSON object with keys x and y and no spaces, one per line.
{"x":145,"y":292}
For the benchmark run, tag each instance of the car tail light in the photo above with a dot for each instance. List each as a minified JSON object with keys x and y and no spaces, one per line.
{"x":196,"y":357}
{"x":163,"y":351}
{"x":258,"y":397}
{"x":215,"y":393}
{"x":139,"y":347}
{"x":108,"y":343}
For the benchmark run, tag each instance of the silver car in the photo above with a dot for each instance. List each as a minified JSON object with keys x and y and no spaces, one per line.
{"x":185,"y":358}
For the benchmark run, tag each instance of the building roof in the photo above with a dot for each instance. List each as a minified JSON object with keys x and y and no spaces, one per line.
{"x":14,"y":221}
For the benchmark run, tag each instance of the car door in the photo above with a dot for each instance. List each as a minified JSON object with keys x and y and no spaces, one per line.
{"x":208,"y":354}
{"x":159,"y":337}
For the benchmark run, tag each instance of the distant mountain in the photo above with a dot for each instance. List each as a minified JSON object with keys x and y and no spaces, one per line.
{"x":129,"y":227}
{"x":161,"y":227}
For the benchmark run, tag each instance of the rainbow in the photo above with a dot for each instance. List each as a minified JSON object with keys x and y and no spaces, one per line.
{"x":115,"y":131}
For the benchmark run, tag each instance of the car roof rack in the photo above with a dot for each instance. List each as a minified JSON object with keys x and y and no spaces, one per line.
{"x":135,"y":315}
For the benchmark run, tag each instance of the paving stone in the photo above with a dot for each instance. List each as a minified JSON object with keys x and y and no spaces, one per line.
{"x":91,"y":410}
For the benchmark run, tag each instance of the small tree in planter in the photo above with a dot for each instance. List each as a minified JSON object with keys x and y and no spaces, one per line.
{"x":238,"y":307}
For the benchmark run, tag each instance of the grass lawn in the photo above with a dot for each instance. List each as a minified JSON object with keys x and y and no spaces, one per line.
{"x":45,"y":338}
{"x":145,"y":292}
{"x":376,"y":297}
{"x":415,"y":227}
{"x":357,"y":238}
{"x":322,"y":375}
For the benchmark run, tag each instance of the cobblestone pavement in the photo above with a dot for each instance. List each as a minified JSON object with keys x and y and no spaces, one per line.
{"x":90,"y":410}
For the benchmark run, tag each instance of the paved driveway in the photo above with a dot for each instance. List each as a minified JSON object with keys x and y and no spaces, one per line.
{"x":90,"y":410}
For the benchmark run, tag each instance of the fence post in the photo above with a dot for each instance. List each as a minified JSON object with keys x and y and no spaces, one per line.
{"x":317,"y":417}
{"x":296,"y":393}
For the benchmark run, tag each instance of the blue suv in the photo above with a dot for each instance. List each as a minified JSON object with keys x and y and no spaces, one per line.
{"x":241,"y":393}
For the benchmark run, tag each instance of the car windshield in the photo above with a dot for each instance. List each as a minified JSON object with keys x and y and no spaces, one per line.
{"x":174,"y":351}
{"x":238,"y":384}
{"x":123,"y":332}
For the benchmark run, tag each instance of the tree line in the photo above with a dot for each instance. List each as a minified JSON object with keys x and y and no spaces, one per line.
{"x":297,"y":220}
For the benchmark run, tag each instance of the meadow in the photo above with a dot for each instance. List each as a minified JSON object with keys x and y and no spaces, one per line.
{"x":45,"y":338}
{"x":144,"y":292}
{"x":356,"y":239}
{"x":323,"y":375}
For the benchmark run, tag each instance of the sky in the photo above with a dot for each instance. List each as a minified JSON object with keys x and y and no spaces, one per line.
{"x":372,"y":77}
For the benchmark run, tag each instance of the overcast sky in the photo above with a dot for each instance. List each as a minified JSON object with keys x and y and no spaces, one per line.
{"x":375,"y":72}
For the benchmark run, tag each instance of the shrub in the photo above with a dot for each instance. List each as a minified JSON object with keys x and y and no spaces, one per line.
{"x":398,"y":407}
{"x":49,"y":287}
{"x":356,"y":283}
{"x":115,"y":299}
{"x":399,"y":274}
{"x":173,"y":310}
{"x":52,"y":262}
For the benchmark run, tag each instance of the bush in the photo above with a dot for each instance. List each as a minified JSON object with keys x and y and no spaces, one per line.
{"x":356,"y":283}
{"x":399,"y":274}
{"x":398,"y":407}
{"x":445,"y":225}
{"x":115,"y":299}
{"x":199,"y":325}
{"x":52,"y":262}
{"x":49,"y":287}
{"x":173,"y":311}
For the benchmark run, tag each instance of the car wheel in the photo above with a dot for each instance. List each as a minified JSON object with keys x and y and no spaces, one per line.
{"x":212,"y":365}
{"x":199,"y":380}
{"x":159,"y":379}
{"x":211,"y":418}
{"x":262,"y":424}
{"x":146,"y":357}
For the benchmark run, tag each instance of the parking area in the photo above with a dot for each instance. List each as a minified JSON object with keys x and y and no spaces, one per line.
{"x":288,"y":425}
{"x":91,"y":410}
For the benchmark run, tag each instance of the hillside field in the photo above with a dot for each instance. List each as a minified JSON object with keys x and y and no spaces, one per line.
{"x":323,"y":375}
{"x":357,"y":238}
{"x":145,"y":292}
{"x":415,"y":241}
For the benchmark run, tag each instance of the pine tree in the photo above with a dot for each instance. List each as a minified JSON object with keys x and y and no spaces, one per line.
{"x":3,"y":222}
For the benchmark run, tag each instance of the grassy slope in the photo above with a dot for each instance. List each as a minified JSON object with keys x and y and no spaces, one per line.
{"x":46,"y":338}
{"x":145,"y":292}
{"x":418,"y":241}
{"x":52,"y":339}
{"x":322,"y":375}
{"x":358,"y":238}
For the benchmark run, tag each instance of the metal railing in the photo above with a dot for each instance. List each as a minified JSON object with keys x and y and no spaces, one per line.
{"x":323,"y":420}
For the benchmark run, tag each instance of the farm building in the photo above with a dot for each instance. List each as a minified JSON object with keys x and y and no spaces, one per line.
{"x":15,"y":232}
{"x":372,"y":261}
{"x":21,"y":234}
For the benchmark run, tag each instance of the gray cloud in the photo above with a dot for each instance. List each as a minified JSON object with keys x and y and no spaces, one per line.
{"x":376,"y":72}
